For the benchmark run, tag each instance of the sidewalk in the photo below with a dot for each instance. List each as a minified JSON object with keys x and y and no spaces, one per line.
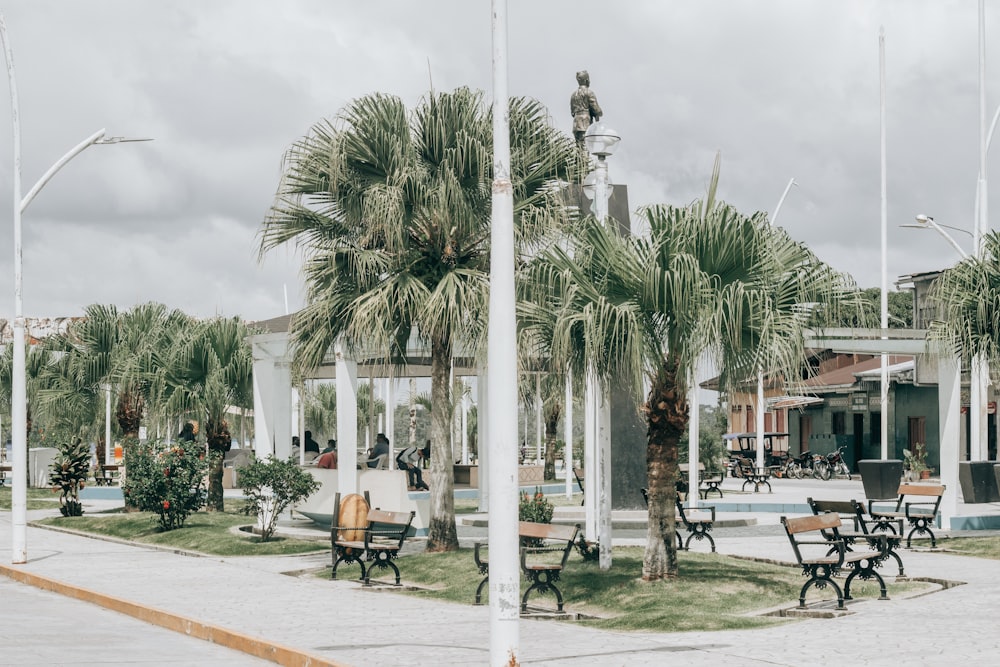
{"x":255,"y":604}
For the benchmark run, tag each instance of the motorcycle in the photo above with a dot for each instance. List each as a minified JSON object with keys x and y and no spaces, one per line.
{"x":806,"y":464}
{"x":836,"y":465}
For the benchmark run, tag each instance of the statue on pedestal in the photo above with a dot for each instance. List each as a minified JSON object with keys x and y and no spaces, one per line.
{"x":584,"y":107}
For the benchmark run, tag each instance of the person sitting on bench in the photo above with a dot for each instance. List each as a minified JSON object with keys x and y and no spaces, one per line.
{"x":409,"y":460}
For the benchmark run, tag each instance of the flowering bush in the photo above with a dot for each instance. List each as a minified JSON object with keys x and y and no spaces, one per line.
{"x":69,"y":474}
{"x":167,"y":480}
{"x":535,"y":508}
{"x":270,"y":486}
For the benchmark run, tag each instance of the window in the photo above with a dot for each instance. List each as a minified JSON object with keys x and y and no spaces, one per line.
{"x":839,"y":423}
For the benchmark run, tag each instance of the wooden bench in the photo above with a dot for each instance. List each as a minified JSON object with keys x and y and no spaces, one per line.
{"x":921,"y":514}
{"x":107,"y":474}
{"x":708,"y":482}
{"x":698,"y":522}
{"x":360,"y":534}
{"x":823,"y":531}
{"x":751,"y":474}
{"x":852,"y":510}
{"x":536,"y":540}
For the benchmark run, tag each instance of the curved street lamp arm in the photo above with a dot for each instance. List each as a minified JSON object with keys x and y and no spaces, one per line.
{"x":47,"y":176}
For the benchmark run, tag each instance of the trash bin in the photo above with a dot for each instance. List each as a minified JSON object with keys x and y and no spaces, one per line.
{"x":881,"y":477}
{"x":979,"y":484}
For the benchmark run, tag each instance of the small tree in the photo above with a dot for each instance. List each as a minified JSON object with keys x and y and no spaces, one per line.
{"x":165,"y":480}
{"x":69,"y":474}
{"x":270,"y":486}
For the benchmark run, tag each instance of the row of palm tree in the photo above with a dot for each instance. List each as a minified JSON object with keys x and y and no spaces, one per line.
{"x":161,"y":366}
{"x":392,"y":210}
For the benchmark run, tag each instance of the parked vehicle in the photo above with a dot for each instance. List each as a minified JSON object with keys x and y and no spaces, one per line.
{"x":807,"y":464}
{"x":836,"y":465}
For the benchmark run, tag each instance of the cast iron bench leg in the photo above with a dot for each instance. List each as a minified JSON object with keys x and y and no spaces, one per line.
{"x":543,"y":580}
{"x":344,"y":557}
{"x":821,"y":576}
{"x":479,"y":590}
{"x":866,"y":572}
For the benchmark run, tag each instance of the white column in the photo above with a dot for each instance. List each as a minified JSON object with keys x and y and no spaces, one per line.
{"x":979,"y":421}
{"x":482,"y":420}
{"x":390,"y":407}
{"x":761,"y":404}
{"x":108,"y":448}
{"x":590,"y":489}
{"x":505,"y":581}
{"x":347,"y":422}
{"x":949,"y":416}
{"x":568,"y":435}
{"x":465,"y":425}
{"x":539,"y":431}
{"x":604,"y":476}
{"x":884,"y":300}
{"x":694,"y":430}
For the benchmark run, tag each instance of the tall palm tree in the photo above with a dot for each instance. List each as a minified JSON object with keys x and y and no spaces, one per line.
{"x":644,"y":311}
{"x":393,"y":210}
{"x":210,"y":370}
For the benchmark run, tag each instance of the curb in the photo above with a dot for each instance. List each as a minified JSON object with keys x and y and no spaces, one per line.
{"x":254,"y":646}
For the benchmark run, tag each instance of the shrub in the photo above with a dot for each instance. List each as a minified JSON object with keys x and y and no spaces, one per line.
{"x":167,"y":480}
{"x":270,"y":486}
{"x":535,"y":508}
{"x":69,"y":474}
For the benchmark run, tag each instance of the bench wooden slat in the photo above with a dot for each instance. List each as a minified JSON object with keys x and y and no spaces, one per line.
{"x":546,"y":531}
{"x":921,"y":489}
{"x":816,"y":522}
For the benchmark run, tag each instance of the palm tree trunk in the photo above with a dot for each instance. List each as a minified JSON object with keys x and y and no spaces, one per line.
{"x":551,"y":430}
{"x":219,"y":442}
{"x":667,"y":414}
{"x":442,"y":534}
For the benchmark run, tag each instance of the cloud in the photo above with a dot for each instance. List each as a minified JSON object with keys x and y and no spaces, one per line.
{"x":783,"y":89}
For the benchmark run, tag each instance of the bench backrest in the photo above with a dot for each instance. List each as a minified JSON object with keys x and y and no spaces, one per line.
{"x":929,"y":490}
{"x":921,"y":489}
{"x":546,"y":531}
{"x":824,"y":521}
{"x":391,"y":526}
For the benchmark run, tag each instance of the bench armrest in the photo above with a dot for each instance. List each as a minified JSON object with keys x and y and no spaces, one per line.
{"x":477,"y":556}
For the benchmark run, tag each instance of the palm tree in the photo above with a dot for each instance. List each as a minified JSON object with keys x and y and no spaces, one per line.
{"x":644,"y":310}
{"x":393,"y":210}
{"x":968,"y":296}
{"x":210,"y":370}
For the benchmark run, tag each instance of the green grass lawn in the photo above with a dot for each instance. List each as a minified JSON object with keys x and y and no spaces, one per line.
{"x":714,"y":592}
{"x":204,"y":532}
{"x":981,"y":547}
{"x":37,"y":499}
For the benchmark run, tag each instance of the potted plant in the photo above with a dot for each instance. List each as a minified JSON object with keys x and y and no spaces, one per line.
{"x":916,"y":461}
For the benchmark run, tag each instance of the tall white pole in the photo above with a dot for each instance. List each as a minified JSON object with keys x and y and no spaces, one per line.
{"x":539,"y":435}
{"x":568,"y":435}
{"x":19,"y":407}
{"x":505,"y":603}
{"x":759,"y":422}
{"x":694,"y":431}
{"x":980,"y":372}
{"x":108,"y":448}
{"x":602,"y":409}
{"x":884,"y":360}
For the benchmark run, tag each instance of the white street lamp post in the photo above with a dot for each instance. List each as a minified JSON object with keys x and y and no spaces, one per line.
{"x":19,"y":416}
{"x":501,"y":363}
{"x":601,"y":142}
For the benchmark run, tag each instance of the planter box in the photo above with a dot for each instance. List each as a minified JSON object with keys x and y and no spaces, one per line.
{"x":881,"y":477}
{"x":979,"y":484}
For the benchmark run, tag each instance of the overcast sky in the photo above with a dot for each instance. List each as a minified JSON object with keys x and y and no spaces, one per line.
{"x":784,"y":89}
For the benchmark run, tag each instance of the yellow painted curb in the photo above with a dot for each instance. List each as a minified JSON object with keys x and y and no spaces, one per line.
{"x":259,"y":648}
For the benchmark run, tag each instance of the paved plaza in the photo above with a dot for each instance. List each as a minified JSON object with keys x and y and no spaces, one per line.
{"x":82,"y":600}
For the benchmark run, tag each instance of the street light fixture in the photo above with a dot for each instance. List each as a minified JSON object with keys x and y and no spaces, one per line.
{"x":19,"y":416}
{"x":927,"y":222}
